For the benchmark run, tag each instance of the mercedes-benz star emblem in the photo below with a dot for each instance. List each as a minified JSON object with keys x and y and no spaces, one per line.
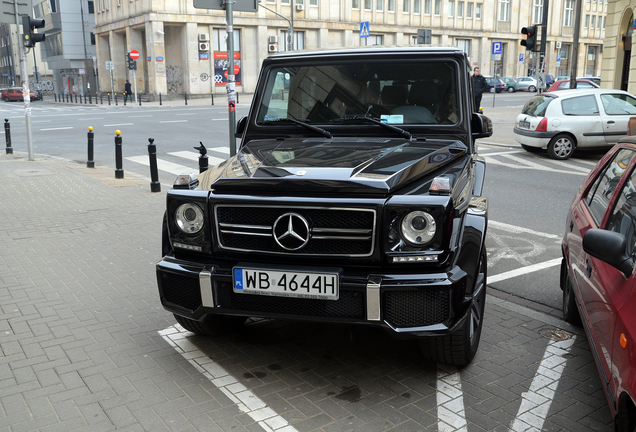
{"x":291,"y":231}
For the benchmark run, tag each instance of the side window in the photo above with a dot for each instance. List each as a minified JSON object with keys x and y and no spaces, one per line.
{"x":600,"y":194}
{"x":580,"y":106}
{"x":618,"y":104}
{"x":623,"y":218}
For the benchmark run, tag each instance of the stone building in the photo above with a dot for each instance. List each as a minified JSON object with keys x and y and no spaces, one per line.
{"x":183,"y":50}
{"x":619,"y":70}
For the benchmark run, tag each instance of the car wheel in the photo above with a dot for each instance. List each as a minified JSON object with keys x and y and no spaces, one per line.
{"x":570,"y":311}
{"x":532,"y":88}
{"x":511,"y":90}
{"x":6,"y":99}
{"x":561,"y":147}
{"x":215,"y":325}
{"x":492,"y":90}
{"x":530,"y":149}
{"x":459,"y":347}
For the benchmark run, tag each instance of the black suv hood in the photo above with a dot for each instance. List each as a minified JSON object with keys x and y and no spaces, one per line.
{"x":314,"y":165}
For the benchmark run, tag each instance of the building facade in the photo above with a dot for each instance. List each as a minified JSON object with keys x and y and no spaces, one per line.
{"x":69,"y":47}
{"x":183,"y":49}
{"x":10,"y":73}
{"x":619,"y":69}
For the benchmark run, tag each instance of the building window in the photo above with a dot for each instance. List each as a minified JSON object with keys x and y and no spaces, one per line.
{"x":478,"y":11}
{"x":219,"y":40}
{"x":460,"y":9}
{"x":355,"y":4}
{"x":464,"y":45}
{"x":587,"y":21}
{"x":451,"y":8}
{"x":91,"y":7}
{"x":469,"y":11}
{"x":604,"y":21}
{"x":286,"y":2}
{"x":367,"y":5}
{"x":598,"y":25}
{"x":593,"y":22}
{"x":391,"y":6}
{"x":313,"y":2}
{"x":427,"y":7}
{"x":53,"y":6}
{"x":438,"y":7}
{"x":504,"y":10}
{"x":371,"y":40}
{"x":416,"y":7}
{"x":590,"y":68}
{"x":569,"y":13}
{"x":299,"y":40}
{"x":406,"y":7}
{"x":92,"y":38}
{"x":537,"y":14}
{"x":379,"y":5}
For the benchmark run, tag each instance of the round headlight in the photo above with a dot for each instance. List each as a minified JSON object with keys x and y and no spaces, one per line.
{"x":418,"y":228}
{"x":189,"y":218}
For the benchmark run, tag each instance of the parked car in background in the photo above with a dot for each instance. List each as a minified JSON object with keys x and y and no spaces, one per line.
{"x":595,"y":80}
{"x":491,"y":84}
{"x":549,"y":79}
{"x":564,"y":120}
{"x":15,"y":94}
{"x":565,"y":84}
{"x":561,"y":77}
{"x":527,"y":84}
{"x":511,"y":84}
{"x":597,"y":274}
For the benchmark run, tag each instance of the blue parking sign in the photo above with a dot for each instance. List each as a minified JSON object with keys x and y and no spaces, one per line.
{"x":496,"y":48}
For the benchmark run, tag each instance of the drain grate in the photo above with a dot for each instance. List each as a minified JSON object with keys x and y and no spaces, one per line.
{"x":32,"y":172}
{"x":556,"y":334}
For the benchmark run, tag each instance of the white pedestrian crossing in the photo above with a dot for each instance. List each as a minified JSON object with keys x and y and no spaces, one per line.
{"x":189,"y":160}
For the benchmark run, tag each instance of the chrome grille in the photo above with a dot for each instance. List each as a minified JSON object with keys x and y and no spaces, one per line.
{"x":333,"y":231}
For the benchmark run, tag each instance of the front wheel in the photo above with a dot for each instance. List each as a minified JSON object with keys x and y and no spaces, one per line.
{"x":561,"y":147}
{"x":6,"y":99}
{"x":570,"y":311}
{"x":532,"y":88}
{"x":459,"y":348}
{"x":511,"y":90}
{"x":492,"y":90}
{"x":215,"y":325}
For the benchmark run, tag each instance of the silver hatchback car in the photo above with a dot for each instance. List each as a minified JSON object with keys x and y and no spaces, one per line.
{"x":564,"y":120}
{"x":527,"y":84}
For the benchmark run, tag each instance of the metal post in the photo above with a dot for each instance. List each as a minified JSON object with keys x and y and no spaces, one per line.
{"x":55,"y":94}
{"x":155,"y":186}
{"x":212,"y":95}
{"x":90,"y":163}
{"x":7,"y":134}
{"x":231,"y":86}
{"x":139,"y":100}
{"x":186,"y":98}
{"x":25,"y":85}
{"x":108,"y":98}
{"x":125,"y":97}
{"x":159,"y":99}
{"x":203,"y":158}
{"x":116,"y":99}
{"x":119,"y":171}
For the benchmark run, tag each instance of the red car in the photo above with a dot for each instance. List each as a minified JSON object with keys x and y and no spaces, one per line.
{"x":15,"y":94}
{"x":598,"y":278}
{"x":565,"y":85}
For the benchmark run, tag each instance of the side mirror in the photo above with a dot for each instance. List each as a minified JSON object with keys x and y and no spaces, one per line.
{"x":240,"y":127}
{"x":609,"y":247}
{"x":480,"y":125}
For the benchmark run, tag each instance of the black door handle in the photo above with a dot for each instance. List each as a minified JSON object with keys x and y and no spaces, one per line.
{"x":589,"y":268}
{"x":571,"y":225}
{"x":610,"y":122}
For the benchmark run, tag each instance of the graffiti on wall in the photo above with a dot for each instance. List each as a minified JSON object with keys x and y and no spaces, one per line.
{"x":41,"y":85}
{"x":174,"y":79}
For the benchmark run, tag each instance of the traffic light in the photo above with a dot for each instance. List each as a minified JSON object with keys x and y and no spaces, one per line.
{"x":28,"y":25}
{"x":531,"y":37}
{"x":424,"y":36}
{"x":132,"y":64}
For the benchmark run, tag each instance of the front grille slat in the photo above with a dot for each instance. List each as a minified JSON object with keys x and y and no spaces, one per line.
{"x":338,"y":231}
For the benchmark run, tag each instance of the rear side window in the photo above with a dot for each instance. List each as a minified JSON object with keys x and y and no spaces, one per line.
{"x":600,"y":194}
{"x":623,"y":218}
{"x":618,"y":104}
{"x":537,"y":105}
{"x":580,"y":106}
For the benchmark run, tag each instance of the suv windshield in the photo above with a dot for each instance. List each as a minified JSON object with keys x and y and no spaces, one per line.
{"x":414,"y":92}
{"x":537,"y":105}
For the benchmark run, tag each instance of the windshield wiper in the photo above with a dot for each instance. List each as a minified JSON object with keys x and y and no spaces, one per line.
{"x":401,"y":131}
{"x":321,"y":131}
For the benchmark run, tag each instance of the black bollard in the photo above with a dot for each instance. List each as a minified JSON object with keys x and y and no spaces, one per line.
{"x":7,"y":135}
{"x":139,"y":97}
{"x":237,"y":100}
{"x":155,"y":186}
{"x":159,"y":99}
{"x":116,"y":99}
{"x":90,"y":99}
{"x":75,"y":97}
{"x":101,"y":98}
{"x":125,"y":97}
{"x":55,"y":97}
{"x":90,"y":163}
{"x":186,"y":98}
{"x":119,"y":162}
{"x":108,"y":98}
{"x":212,"y":94}
{"x":203,"y":158}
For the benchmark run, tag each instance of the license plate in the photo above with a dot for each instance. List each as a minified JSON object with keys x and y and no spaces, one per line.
{"x":319,"y":286}
{"x":524,"y":124}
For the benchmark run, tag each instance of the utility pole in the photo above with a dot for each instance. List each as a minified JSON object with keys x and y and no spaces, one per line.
{"x":578,"y":5}
{"x":231,"y":86}
{"x":24,"y":72}
{"x":88,"y":85}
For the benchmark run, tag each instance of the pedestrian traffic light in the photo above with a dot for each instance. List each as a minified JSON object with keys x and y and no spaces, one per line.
{"x":28,"y":25}
{"x":531,"y":37}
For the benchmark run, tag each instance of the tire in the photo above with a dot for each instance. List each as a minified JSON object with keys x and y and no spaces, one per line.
{"x":532,"y":89}
{"x":459,"y":347}
{"x":492,"y":90}
{"x":215,"y":325}
{"x":511,"y":90}
{"x":561,"y":147}
{"x":530,"y":149}
{"x":570,"y":310}
{"x":6,"y":99}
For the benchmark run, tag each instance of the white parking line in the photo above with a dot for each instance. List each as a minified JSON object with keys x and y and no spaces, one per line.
{"x":450,"y":401}
{"x":517,"y":229}
{"x":244,"y":399}
{"x":523,"y":270}
{"x":536,"y":402}
{"x":60,"y":128}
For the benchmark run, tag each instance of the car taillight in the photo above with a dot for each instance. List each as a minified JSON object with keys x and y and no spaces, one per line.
{"x":542,"y":126}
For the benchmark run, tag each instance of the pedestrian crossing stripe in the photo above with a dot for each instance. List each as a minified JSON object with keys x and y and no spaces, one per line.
{"x":176,"y":169}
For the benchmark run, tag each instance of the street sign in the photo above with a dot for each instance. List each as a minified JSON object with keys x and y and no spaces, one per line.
{"x":497,"y":47}
{"x":110,"y":65}
{"x":237,"y":6}
{"x":134,"y":54}
{"x":558,"y":61}
{"x":364,"y":29}
{"x":521,"y":58}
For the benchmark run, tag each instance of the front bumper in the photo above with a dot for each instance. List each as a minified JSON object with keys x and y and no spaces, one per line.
{"x":406,"y":305}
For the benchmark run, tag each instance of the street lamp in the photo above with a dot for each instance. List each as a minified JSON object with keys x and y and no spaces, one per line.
{"x":290,"y":36}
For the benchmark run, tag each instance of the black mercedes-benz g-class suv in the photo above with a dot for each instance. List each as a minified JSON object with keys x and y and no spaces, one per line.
{"x":355,"y":197}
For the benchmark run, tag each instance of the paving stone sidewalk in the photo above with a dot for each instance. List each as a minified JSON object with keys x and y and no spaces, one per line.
{"x":80,"y":347}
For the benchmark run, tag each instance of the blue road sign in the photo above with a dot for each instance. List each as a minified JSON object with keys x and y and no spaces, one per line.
{"x":521,"y":59}
{"x":364,"y":29}
{"x":496,"y":48}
